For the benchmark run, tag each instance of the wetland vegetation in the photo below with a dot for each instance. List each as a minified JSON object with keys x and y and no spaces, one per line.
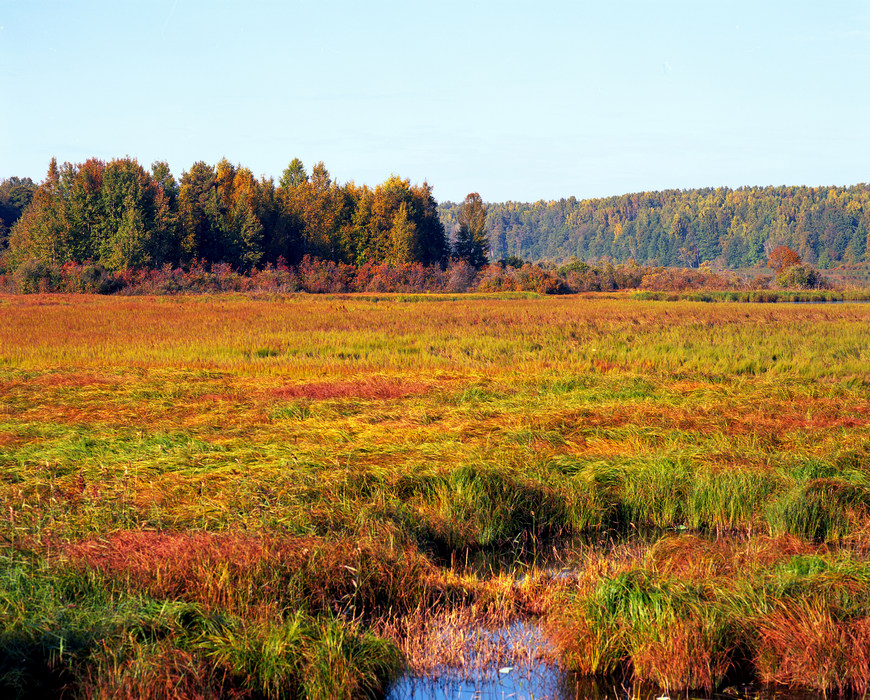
{"x":310,"y":496}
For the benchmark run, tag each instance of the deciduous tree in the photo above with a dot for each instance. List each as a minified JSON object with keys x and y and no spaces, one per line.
{"x":781,"y":258}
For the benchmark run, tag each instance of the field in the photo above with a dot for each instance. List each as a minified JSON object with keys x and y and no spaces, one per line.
{"x":229,"y":496}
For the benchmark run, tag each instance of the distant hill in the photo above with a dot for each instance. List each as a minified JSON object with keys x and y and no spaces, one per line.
{"x":827,"y":226}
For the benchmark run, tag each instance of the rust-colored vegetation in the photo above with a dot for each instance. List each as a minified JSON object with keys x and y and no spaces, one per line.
{"x":231,"y":572}
{"x":247,"y":497}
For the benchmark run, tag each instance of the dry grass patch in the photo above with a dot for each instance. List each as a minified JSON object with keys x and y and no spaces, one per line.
{"x":372,"y":388}
{"x":467,"y":641}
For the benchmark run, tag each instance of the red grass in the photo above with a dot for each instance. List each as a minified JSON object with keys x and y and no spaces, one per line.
{"x":173,"y":565}
{"x":234,"y":571}
{"x":809,"y":647}
{"x":603,"y":366}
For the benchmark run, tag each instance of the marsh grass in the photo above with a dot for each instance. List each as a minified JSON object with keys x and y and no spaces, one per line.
{"x":78,"y":628}
{"x":275,"y":488}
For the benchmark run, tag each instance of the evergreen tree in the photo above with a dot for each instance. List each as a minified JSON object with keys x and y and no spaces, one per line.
{"x":15,"y":195}
{"x":472,"y":242}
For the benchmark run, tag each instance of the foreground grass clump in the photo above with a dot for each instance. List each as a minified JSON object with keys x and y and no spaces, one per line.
{"x":229,"y":493}
{"x":694,"y":613}
{"x":74,"y":630}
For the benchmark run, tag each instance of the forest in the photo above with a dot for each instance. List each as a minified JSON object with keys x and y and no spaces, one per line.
{"x":827,"y":226}
{"x":123,"y":217}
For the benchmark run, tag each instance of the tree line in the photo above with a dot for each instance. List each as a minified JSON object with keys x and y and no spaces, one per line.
{"x":121,"y":216}
{"x":826,"y":226}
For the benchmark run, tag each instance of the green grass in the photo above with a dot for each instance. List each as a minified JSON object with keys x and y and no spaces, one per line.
{"x":74,"y":631}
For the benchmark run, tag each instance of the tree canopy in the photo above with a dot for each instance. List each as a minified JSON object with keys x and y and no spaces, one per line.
{"x":15,"y":196}
{"x":122,"y":216}
{"x":781,"y":258}
{"x":472,"y":239}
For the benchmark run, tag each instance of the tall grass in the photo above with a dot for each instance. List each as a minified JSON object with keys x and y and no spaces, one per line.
{"x":266,"y":482}
{"x":78,"y":629}
{"x":696,"y":613}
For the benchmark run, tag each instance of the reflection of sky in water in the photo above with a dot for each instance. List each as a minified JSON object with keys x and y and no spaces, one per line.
{"x":514,"y":685}
{"x":553,"y":684}
{"x":482,"y":681}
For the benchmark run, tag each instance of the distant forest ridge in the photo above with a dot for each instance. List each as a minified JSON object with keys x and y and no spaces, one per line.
{"x":827,"y":226}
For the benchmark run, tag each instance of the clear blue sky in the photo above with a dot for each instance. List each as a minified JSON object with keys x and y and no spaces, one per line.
{"x":520,"y":101}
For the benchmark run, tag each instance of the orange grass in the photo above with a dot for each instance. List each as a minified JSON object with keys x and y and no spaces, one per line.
{"x":233,"y":572}
{"x":808,"y":646}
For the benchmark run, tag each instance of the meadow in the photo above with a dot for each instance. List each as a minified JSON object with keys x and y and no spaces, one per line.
{"x":277,"y":496}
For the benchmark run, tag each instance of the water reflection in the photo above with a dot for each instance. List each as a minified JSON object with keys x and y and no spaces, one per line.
{"x":556,"y":556}
{"x":554,"y":684}
{"x":513,"y":684}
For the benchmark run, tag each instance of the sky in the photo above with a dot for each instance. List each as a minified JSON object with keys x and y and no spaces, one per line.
{"x":515,"y":100}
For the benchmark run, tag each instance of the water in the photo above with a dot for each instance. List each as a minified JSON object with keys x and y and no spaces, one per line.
{"x":471,"y":660}
{"x":551,"y":683}
{"x":512,"y":684}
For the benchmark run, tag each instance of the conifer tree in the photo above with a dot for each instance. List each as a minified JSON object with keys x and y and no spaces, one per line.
{"x":472,"y":242}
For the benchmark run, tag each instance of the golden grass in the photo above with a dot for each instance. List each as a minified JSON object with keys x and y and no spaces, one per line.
{"x":466,"y":642}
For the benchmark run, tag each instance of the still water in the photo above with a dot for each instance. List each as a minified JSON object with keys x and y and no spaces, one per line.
{"x":555,"y":684}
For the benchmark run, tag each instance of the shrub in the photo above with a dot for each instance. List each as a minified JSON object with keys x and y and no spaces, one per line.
{"x":34,"y":276}
{"x":461,"y":276}
{"x":528,"y":278}
{"x":88,"y":278}
{"x":680,"y":279}
{"x":801,"y":277}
